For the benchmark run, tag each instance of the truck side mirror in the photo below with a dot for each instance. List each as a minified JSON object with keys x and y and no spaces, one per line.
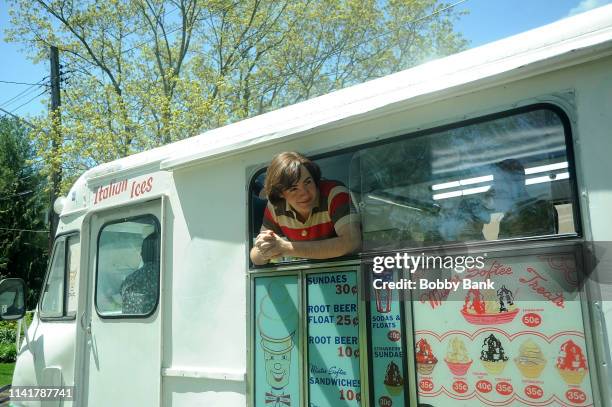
{"x":12,"y":299}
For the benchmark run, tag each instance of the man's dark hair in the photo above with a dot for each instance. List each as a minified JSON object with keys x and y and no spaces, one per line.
{"x":284,"y":171}
{"x":512,"y":166}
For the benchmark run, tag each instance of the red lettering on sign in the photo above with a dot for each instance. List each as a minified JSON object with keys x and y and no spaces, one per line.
{"x":534,"y":392}
{"x":534,"y":283}
{"x":141,"y":187}
{"x":504,"y":388}
{"x":484,"y":386}
{"x":460,"y":386}
{"x":394,"y":335}
{"x":532,"y":320}
{"x":110,"y":190}
{"x":575,"y":396}
{"x":426,"y":385}
{"x":496,"y":269}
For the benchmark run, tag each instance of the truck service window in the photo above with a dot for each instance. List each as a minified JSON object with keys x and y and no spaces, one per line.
{"x":334,"y":167}
{"x":499,"y":178}
{"x":507,"y":176}
{"x":127,"y":282}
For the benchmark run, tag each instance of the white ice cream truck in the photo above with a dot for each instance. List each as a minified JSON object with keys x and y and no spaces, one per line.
{"x":501,"y":152}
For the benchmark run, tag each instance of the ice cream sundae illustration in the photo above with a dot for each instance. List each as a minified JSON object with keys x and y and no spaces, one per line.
{"x":571,"y":363}
{"x":425,"y":359}
{"x":394,"y":382}
{"x":277,"y":322}
{"x":490,"y":307}
{"x":493,"y":356}
{"x":530,"y":360}
{"x":457,"y":357}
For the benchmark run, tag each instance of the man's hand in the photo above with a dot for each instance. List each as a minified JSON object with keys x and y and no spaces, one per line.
{"x":267,"y":246}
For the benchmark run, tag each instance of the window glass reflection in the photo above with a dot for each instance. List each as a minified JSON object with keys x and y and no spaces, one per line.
{"x":504,"y":178}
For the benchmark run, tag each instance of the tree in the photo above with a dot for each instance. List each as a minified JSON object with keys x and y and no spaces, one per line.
{"x":147,"y":72}
{"x":23,"y":238}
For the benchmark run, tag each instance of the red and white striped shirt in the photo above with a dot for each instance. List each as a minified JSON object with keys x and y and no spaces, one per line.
{"x":333,"y":210}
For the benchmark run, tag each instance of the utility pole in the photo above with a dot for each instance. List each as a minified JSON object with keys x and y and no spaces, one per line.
{"x":55,"y":175}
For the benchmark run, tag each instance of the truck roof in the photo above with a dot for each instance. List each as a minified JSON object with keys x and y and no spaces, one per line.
{"x":560,"y":44}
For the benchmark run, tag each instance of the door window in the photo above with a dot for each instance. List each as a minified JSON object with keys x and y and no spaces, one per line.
{"x":59,"y":298}
{"x":128,"y":267}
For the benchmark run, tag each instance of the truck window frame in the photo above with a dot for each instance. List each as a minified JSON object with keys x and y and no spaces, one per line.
{"x":65,"y":316}
{"x":301,"y":268}
{"x":156,"y":224}
{"x":571,"y":168}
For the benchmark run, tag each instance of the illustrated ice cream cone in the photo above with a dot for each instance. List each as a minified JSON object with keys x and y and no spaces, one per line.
{"x":425,"y":359}
{"x":530,"y":361}
{"x":394,"y":382}
{"x":571,"y":363}
{"x":457,"y":358}
{"x":493,"y":356}
{"x":277,"y":322}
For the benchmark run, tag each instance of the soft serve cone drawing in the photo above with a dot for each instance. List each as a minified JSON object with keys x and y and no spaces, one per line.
{"x":277,"y":322}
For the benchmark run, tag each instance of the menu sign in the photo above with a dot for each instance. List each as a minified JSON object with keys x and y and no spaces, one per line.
{"x":520,"y":343}
{"x":277,"y":339}
{"x":387,"y":354}
{"x":333,"y":340}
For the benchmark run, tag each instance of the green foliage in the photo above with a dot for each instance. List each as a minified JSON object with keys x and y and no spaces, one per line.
{"x":22,"y":249}
{"x":8,"y":332}
{"x":147,"y":72}
{"x":29,"y":316}
{"x":8,"y":336}
{"x":8,"y":353}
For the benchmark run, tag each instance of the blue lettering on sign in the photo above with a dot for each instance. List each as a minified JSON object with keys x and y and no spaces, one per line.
{"x":388,"y":352}
{"x":384,"y":325}
{"x":333,"y":341}
{"x":330,"y":381}
{"x":333,"y":371}
{"x":346,"y":340}
{"x":320,"y":319}
{"x":335,"y":279}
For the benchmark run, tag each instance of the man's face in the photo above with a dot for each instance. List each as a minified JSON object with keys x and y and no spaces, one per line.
{"x":277,"y":369}
{"x":303,"y":195}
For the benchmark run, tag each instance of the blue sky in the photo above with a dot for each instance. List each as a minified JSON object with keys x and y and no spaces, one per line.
{"x":488,"y":20}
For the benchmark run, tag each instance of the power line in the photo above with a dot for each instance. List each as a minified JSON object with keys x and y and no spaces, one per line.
{"x":14,"y":116}
{"x":20,"y":83}
{"x":21,"y":95}
{"x":35,"y":97}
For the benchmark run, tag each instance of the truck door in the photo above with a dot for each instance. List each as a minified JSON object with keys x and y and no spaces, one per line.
{"x":122,"y":320}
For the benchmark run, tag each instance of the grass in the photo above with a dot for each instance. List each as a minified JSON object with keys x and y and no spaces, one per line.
{"x":6,"y":373}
